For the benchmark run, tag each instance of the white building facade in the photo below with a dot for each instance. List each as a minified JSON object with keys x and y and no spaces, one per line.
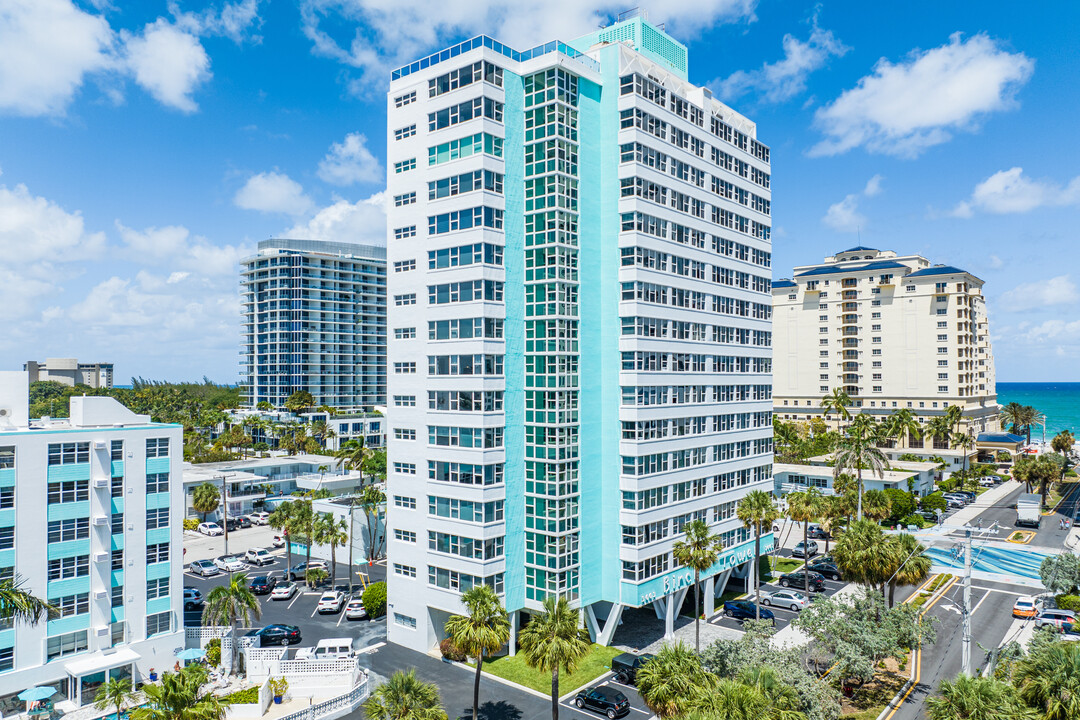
{"x":579,"y":351}
{"x":90,"y":519}
{"x":892,"y":331}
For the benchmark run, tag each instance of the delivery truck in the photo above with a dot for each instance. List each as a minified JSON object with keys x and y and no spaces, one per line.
{"x":1029,"y":510}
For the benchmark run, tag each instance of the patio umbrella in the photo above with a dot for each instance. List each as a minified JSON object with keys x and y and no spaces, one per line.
{"x":37,"y":693}
{"x":191,"y":654}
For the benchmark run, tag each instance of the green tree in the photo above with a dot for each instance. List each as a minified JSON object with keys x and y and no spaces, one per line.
{"x":482,"y":630}
{"x":283,"y":519}
{"x":115,"y":693}
{"x":232,"y":604}
{"x":1062,"y":444}
{"x":876,"y":505}
{"x":979,"y":698}
{"x":304,"y":519}
{"x":757,"y":511}
{"x":698,"y":551}
{"x":1041,"y":470}
{"x":858,"y":451}
{"x":405,"y":697}
{"x":552,"y":641}
{"x":1060,"y":574}
{"x":803,"y":507}
{"x":19,"y":605}
{"x":299,"y":401}
{"x":940,"y":428}
{"x":834,"y":510}
{"x":672,"y":681}
{"x":180,"y":696}
{"x":263,"y":405}
{"x":333,"y":532}
{"x":206,"y":498}
{"x":862,"y":554}
{"x":901,"y":503}
{"x":837,"y":402}
{"x":1049,"y":680}
{"x":965,"y":442}
{"x":372,"y":500}
{"x":781,"y":700}
{"x":904,"y":426}
{"x":352,"y":454}
{"x":907,"y":561}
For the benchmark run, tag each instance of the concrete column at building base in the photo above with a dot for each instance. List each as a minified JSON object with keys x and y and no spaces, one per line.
{"x":514,"y":616}
{"x":602,"y":634}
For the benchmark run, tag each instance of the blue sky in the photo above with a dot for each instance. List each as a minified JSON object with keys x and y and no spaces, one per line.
{"x":146,"y":147}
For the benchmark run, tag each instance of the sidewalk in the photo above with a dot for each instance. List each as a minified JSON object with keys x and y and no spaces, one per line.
{"x":982,"y":503}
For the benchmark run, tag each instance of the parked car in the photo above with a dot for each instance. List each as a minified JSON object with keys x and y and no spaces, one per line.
{"x":232,"y":524}
{"x":956,"y":497}
{"x":816,"y":532}
{"x":1055,"y":618}
{"x":284,"y":590}
{"x":826,"y":568}
{"x":193,"y":599}
{"x":229,"y":563}
{"x":798,"y":579}
{"x":276,"y":635}
{"x":626,"y":666}
{"x":242,"y":521}
{"x":603,"y":699}
{"x":331,"y":602}
{"x":745,"y":610}
{"x":299,"y":570}
{"x":988,"y":482}
{"x":1026,"y":606}
{"x":209,"y":528}
{"x":262,"y":584}
{"x":328,"y":649}
{"x":278,"y":541}
{"x":790,"y":599}
{"x":971,"y":496}
{"x":259,"y":518}
{"x":954,"y":503}
{"x":355,"y":610}
{"x":258,"y":556}
{"x":205,"y":568}
{"x":805,"y":550}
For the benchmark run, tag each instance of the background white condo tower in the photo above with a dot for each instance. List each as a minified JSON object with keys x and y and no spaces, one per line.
{"x":90,"y":519}
{"x":578,"y":306}
{"x":892,"y":331}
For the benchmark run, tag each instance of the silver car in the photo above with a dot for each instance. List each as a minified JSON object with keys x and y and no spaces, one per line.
{"x":790,"y":599}
{"x":205,"y":568}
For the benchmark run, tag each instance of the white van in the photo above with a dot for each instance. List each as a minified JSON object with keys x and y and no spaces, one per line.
{"x":328,"y":649}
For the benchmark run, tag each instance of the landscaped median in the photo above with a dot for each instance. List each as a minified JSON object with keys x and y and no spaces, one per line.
{"x":514,"y":669}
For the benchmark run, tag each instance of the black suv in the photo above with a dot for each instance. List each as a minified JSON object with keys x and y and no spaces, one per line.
{"x":626,"y":667}
{"x":606,"y":700}
{"x":826,"y":568}
{"x":745,"y":610}
{"x":276,"y":635}
{"x":798,"y":579}
{"x":262,"y":584}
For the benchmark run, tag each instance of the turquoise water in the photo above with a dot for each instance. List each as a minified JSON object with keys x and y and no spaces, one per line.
{"x":1060,"y":402}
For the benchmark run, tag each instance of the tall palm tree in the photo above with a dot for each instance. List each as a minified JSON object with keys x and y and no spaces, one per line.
{"x":304,"y":519}
{"x":673,"y":680}
{"x":908,"y":561}
{"x":939,"y":428}
{"x":20,"y":605}
{"x":484,"y":629}
{"x":802,"y":508}
{"x":205,"y":498}
{"x":1011,"y":416}
{"x":757,"y":511}
{"x":834,"y":509}
{"x":405,"y":697}
{"x":863,"y":555}
{"x":876,"y":505}
{"x":552,"y":641}
{"x":1062,"y":443}
{"x":965,"y":442}
{"x":979,"y":698}
{"x":115,"y":693}
{"x":180,"y":696}
{"x":855,"y":452}
{"x":837,"y":402}
{"x":371,"y":501}
{"x":955,"y":415}
{"x":283,"y":519}
{"x":232,"y":604}
{"x":903,"y":425}
{"x":352,"y":454}
{"x":332,"y":531}
{"x":1049,"y":680}
{"x":699,"y":551}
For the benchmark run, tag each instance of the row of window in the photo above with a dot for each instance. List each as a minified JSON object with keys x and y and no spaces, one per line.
{"x":463,"y":112}
{"x":685,"y":267}
{"x":79,"y":452}
{"x":647,"y":327}
{"x":653,"y":395}
{"x":653,"y":361}
{"x":678,"y":492}
{"x":652,"y":464}
{"x":697,"y":425}
{"x":694,"y":299}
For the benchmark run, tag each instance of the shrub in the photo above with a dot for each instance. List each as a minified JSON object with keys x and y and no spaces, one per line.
{"x":450,"y":651}
{"x":901,"y":503}
{"x":934,"y":502}
{"x":1068,"y":602}
{"x":191,"y":523}
{"x":913,"y":520}
{"x":279,"y":686}
{"x":247,"y":696}
{"x":374,"y":599}
{"x":213,"y":652}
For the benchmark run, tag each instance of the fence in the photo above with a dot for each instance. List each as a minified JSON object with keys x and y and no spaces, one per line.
{"x":252,"y":710}
{"x":334,"y":707}
{"x":199,"y":636}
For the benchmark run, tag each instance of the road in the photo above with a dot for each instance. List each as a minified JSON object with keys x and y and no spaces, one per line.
{"x":1049,"y":533}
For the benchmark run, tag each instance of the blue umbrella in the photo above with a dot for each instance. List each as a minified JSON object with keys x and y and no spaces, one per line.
{"x":191,"y":654}
{"x":37,"y":693}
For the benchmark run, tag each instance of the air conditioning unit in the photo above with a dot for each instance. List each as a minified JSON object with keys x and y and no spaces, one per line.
{"x":100,"y":444}
{"x":101,"y":594}
{"x":102,"y":630}
{"x":101,"y":520}
{"x":5,"y":412}
{"x":100,"y":557}
{"x":100,"y":483}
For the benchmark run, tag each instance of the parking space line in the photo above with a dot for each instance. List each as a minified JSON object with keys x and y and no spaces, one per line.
{"x":315,"y":610}
{"x":295,"y":598}
{"x":341,"y":616}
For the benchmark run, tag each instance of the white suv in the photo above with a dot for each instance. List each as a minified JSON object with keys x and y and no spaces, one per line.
{"x":258,"y":556}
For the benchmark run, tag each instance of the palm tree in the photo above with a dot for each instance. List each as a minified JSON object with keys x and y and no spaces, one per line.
{"x":940,"y":428}
{"x":232,"y":604}
{"x":782,"y":701}
{"x":483,"y":630}
{"x":19,"y":605}
{"x":965,"y":442}
{"x":911,"y":566}
{"x":863,"y":555}
{"x":352,"y":454}
{"x":757,"y":510}
{"x":837,"y":402}
{"x":405,"y":697}
{"x":332,"y":531}
{"x":903,"y":425}
{"x":673,"y":680}
{"x":732,"y":700}
{"x":116,"y":692}
{"x":371,"y":501}
{"x":205,"y":498}
{"x":834,"y":509}
{"x":179,"y":696}
{"x":876,"y":505}
{"x":955,"y":415}
{"x":699,"y":552}
{"x":979,"y":698}
{"x":1062,"y":443}
{"x":855,"y":452}
{"x":299,"y":401}
{"x":786,"y":440}
{"x":283,"y":519}
{"x":304,"y":518}
{"x":803,"y":507}
{"x":552,"y":641}
{"x":1049,"y":680}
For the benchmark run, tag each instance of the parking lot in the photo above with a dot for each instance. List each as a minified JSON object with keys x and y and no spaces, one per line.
{"x":638,"y":709}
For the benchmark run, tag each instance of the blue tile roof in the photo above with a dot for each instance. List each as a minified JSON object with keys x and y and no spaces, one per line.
{"x":784,"y":284}
{"x":1000,"y":437}
{"x":858,"y":249}
{"x":937,"y":270}
{"x":831,"y":270}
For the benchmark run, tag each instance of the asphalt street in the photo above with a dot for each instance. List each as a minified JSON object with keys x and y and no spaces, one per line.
{"x":1049,"y":533}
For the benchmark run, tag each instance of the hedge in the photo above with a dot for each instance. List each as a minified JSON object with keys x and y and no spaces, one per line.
{"x":249,"y":696}
{"x":374,"y":599}
{"x":450,"y":651}
{"x":191,"y":523}
{"x":213,"y":652}
{"x":1068,"y":602}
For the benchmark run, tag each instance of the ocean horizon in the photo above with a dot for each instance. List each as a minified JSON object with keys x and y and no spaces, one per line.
{"x":1059,"y":401}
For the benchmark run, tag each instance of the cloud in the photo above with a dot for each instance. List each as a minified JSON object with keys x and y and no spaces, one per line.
{"x":350,"y":162}
{"x":47,"y":47}
{"x":996,"y":263}
{"x":273,"y":192}
{"x":1060,"y":290}
{"x":232,"y":21}
{"x":169,"y":63}
{"x":1009,"y":191}
{"x":175,"y":246}
{"x":360,"y":222}
{"x":786,"y":78}
{"x":844,"y":216}
{"x":376,"y":36}
{"x":34,"y":229}
{"x":904,"y":108}
{"x":1051,"y":330}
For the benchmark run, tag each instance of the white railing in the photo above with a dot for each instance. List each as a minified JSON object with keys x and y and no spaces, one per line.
{"x":339,"y":705}
{"x":199,"y":636}
{"x":317,"y":667}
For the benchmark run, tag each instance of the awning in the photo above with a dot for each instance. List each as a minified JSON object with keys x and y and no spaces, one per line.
{"x":101,"y":661}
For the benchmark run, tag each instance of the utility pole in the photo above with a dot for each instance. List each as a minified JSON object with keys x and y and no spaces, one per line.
{"x":967,"y":603}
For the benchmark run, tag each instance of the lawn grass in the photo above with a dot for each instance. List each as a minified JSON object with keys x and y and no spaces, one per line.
{"x":729,"y":595}
{"x":786,"y":565}
{"x":514,"y":669}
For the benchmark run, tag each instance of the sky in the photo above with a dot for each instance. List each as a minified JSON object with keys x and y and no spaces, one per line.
{"x":146,"y":147}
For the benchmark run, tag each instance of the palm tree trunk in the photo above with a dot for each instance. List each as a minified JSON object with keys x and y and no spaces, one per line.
{"x":307,"y":556}
{"x":860,"y":492}
{"x":351,"y":518}
{"x":757,"y":571}
{"x":333,"y":564}
{"x":476,"y":686}
{"x":234,"y":670}
{"x":555,"y":694}
{"x":806,"y":565}
{"x":892,"y":592}
{"x":697,"y":612}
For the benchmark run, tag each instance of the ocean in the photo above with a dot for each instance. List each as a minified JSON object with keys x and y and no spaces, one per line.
{"x":1059,"y":402}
